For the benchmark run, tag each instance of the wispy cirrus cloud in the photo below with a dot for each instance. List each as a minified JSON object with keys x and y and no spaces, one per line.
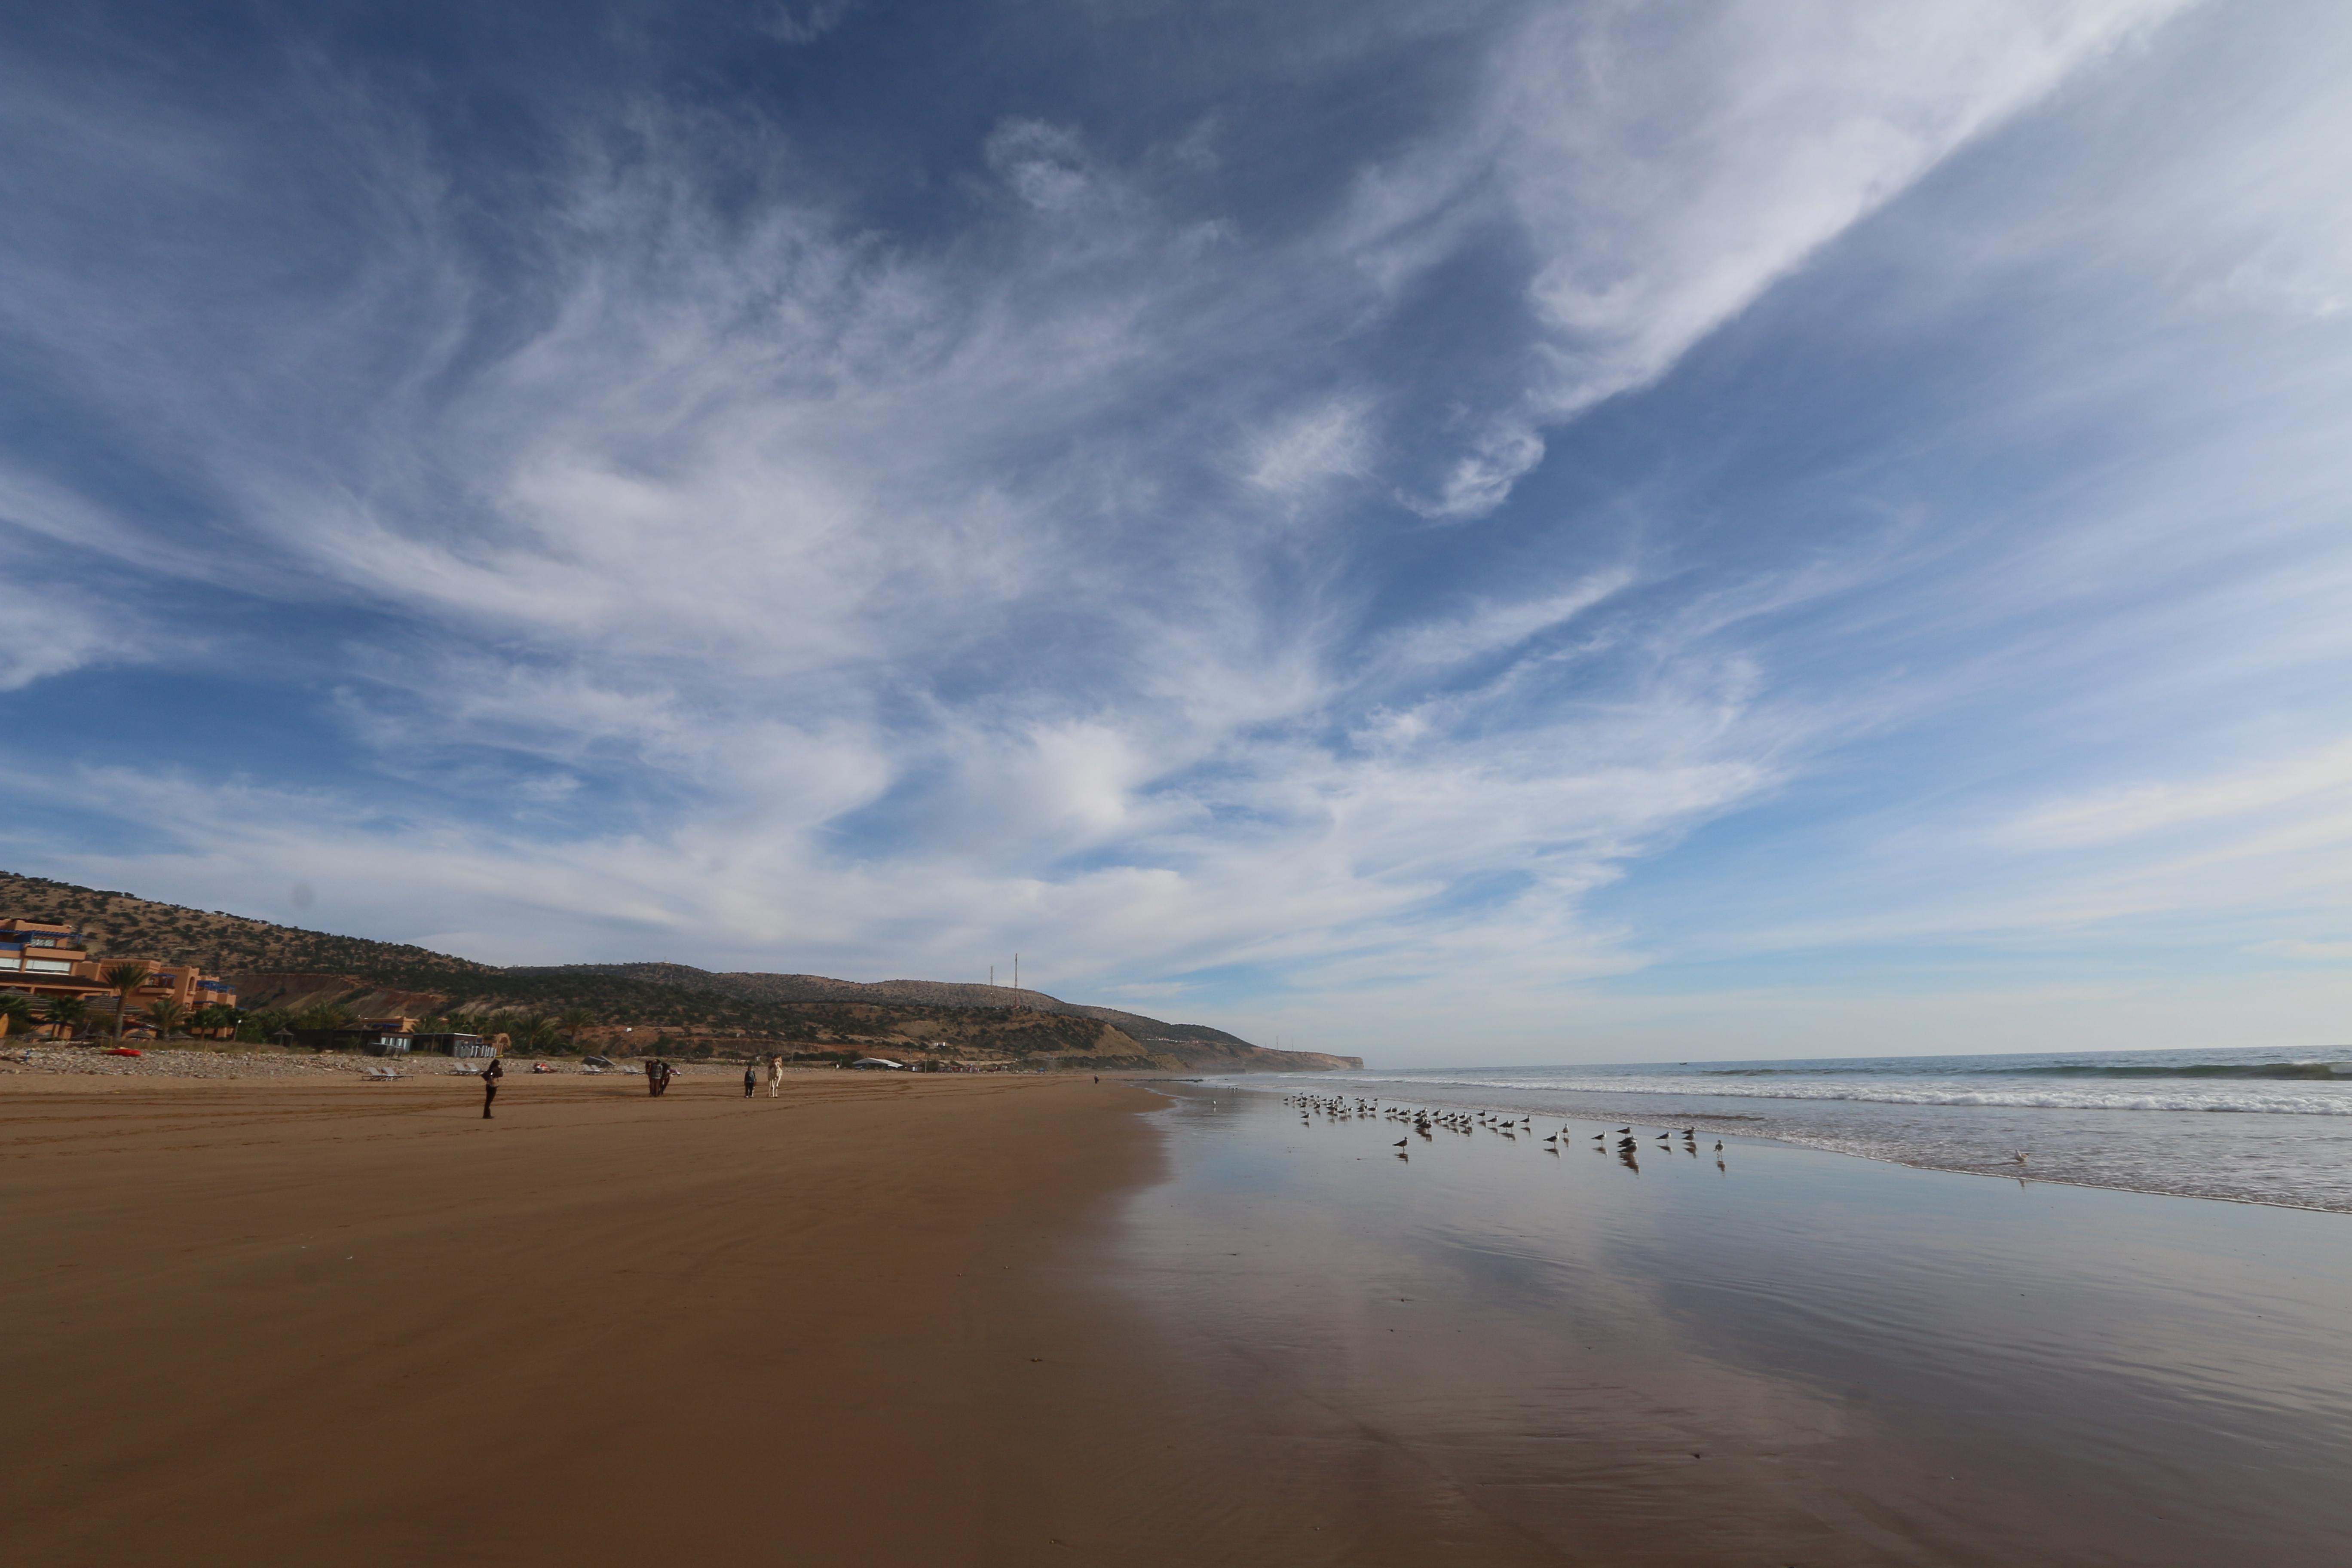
{"x":2155,"y":807}
{"x":1664,"y":170}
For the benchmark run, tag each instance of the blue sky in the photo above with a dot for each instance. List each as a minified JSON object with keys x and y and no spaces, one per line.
{"x":1481,"y":534}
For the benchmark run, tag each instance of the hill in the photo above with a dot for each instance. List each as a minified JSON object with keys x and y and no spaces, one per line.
{"x":125,"y":925}
{"x":1194,"y":1044}
{"x":288,"y":975}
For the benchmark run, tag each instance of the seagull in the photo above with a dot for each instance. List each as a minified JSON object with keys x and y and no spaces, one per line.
{"x":1397,"y":1144}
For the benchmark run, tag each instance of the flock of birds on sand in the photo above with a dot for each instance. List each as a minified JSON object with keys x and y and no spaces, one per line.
{"x":1427,"y":1123}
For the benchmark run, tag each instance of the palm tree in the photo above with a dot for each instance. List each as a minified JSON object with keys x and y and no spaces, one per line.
{"x":125,"y":978}
{"x":166,"y":1015}
{"x":215,"y":1017}
{"x":574,"y":1020}
{"x":66,"y":1014}
{"x":15,"y":1009}
{"x":262,"y":1024}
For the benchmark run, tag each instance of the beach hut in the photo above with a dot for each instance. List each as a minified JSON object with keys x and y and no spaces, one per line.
{"x":456,"y":1045}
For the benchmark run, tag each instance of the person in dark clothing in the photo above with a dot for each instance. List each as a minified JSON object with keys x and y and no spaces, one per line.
{"x":653,"y":1077}
{"x":750,"y":1082}
{"x":491,"y":1076}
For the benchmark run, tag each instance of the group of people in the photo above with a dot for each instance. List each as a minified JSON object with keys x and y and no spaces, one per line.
{"x":658,"y":1073}
{"x":658,"y":1076}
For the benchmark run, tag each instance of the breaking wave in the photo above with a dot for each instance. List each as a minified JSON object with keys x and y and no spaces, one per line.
{"x":2320,"y":1071}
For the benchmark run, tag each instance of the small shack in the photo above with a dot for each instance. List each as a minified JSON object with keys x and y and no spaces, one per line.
{"x":378,"y":1042}
{"x":374,"y":1042}
{"x":455,"y":1044}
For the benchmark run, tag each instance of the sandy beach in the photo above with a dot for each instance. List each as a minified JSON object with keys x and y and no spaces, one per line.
{"x":1034,"y":1320}
{"x":267,"y":1321}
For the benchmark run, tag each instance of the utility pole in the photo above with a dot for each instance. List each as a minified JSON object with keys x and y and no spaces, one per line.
{"x":1016,"y":972}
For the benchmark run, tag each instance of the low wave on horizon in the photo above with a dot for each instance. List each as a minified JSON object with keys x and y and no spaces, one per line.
{"x":2049,"y":1099}
{"x":2306,"y":1069}
{"x":2173,"y":1081}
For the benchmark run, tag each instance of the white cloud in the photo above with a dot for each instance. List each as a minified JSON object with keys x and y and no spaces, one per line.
{"x":43,"y":633}
{"x":1299,"y":455}
{"x":803,"y":24}
{"x":2136,"y":809}
{"x":1494,"y":627}
{"x":1046,"y":165}
{"x":1666,"y":168}
{"x":2314,"y":952}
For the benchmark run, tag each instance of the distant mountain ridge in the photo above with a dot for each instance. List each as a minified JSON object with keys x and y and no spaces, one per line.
{"x":288,"y":967}
{"x":1152,"y":1034}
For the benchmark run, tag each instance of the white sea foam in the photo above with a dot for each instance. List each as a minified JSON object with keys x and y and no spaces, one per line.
{"x":2230,"y":1096}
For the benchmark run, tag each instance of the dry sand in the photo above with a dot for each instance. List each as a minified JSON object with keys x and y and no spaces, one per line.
{"x":287,"y":1321}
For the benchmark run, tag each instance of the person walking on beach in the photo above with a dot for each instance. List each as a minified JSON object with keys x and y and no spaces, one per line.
{"x":751,"y":1081}
{"x":653,"y":1075}
{"x":775,"y":1073}
{"x":491,"y":1076}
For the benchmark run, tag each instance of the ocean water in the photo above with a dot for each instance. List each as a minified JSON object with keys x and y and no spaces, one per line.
{"x":2252,"y":1125}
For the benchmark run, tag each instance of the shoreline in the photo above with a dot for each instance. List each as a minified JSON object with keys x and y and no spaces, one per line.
{"x":247,"y":1062}
{"x":2304,"y":1161}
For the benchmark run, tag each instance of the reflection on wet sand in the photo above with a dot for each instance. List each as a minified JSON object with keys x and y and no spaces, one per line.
{"x":1806,"y":1358}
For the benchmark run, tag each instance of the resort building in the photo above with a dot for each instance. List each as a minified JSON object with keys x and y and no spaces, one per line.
{"x":42,"y":959}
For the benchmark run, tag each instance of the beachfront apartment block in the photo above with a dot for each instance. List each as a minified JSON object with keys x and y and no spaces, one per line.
{"x":42,"y":959}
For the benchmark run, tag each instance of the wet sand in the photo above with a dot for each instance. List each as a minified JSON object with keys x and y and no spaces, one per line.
{"x":1797,"y":1357}
{"x":1017,"y":1321}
